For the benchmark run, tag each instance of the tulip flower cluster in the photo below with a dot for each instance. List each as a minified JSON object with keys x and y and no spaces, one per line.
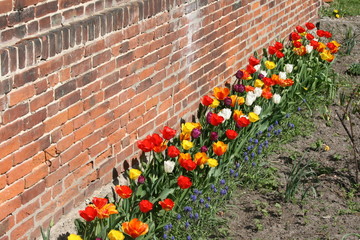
{"x":198,"y":154}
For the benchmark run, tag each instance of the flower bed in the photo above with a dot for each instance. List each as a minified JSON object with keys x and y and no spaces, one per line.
{"x":176,"y":193}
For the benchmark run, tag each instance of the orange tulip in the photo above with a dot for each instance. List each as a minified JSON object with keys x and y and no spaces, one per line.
{"x":200,"y":158}
{"x":221,"y":93}
{"x":237,"y":114}
{"x":219,"y":148}
{"x":135,"y":228}
{"x":167,"y":204}
{"x":300,"y":51}
{"x":103,"y":208}
{"x":123,"y":191}
{"x":184,"y":156}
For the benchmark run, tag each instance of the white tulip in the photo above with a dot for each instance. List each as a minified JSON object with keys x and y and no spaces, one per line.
{"x":289,"y":68}
{"x":309,"y":48}
{"x":258,"y":92}
{"x":257,"y":67}
{"x":263,"y":73}
{"x":276,"y":98}
{"x":169,"y":166}
{"x":250,"y":98}
{"x":257,"y":109}
{"x":225,"y":113}
{"x":282,"y":75}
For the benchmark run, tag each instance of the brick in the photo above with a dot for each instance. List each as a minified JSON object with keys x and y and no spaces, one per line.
{"x":41,"y":101}
{"x":6,"y":225}
{"x":27,"y":152}
{"x":56,"y":121}
{"x":20,"y":4}
{"x":34,"y":119}
{"x":86,"y":78}
{"x":32,"y":135}
{"x":26,"y":211}
{"x":52,"y":43}
{"x":75,"y":110}
{"x":9,"y":207}
{"x":19,"y":171}
{"x":21,"y":16}
{"x":65,"y":89}
{"x":37,"y":174}
{"x":11,"y":191}
{"x":4,"y":57}
{"x":98,"y":148}
{"x":45,"y":23}
{"x":7,"y":35}
{"x":70,"y":153}
{"x":57,"y":176}
{"x":106,"y":68}
{"x":101,"y":58}
{"x":15,"y":112}
{"x":73,"y":56}
{"x":6,"y":164}
{"x":70,"y":99}
{"x":81,"y":67}
{"x":22,"y":229}
{"x":50,"y":66}
{"x":84,"y":131}
{"x":21,"y":94}
{"x":25,"y":77}
{"x":3,"y":22}
{"x":58,"y":41}
{"x":6,"y":6}
{"x":5,"y":86}
{"x":93,"y":100}
{"x":78,"y":161}
{"x":67,"y":3}
{"x":33,"y":192}
{"x":33,"y":27}
{"x":56,"y":20}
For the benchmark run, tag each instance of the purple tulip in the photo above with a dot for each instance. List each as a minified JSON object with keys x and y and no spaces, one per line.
{"x":214,"y":136}
{"x":195,"y":133}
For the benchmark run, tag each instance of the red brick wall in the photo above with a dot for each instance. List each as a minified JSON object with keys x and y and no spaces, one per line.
{"x":74,"y":100}
{"x":26,"y":18}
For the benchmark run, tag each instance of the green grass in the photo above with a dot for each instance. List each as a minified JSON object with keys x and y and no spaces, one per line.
{"x":351,"y":7}
{"x":345,"y":8}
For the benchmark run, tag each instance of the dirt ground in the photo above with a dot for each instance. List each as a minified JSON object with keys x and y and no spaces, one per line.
{"x":331,"y":209}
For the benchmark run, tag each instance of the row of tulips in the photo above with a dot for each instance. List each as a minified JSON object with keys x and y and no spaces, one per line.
{"x":191,"y":167}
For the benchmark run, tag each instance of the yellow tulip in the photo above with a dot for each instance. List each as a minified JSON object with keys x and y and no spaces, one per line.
{"x":214,"y":104}
{"x":253,"y":117}
{"x":186,"y":144}
{"x":270,"y":65}
{"x":116,"y":235}
{"x":189,"y":126}
{"x":258,"y":83}
{"x":74,"y":237}
{"x":134,"y":173}
{"x":212,"y":162}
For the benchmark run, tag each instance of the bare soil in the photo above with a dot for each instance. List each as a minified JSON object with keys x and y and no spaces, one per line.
{"x":331,"y":209}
